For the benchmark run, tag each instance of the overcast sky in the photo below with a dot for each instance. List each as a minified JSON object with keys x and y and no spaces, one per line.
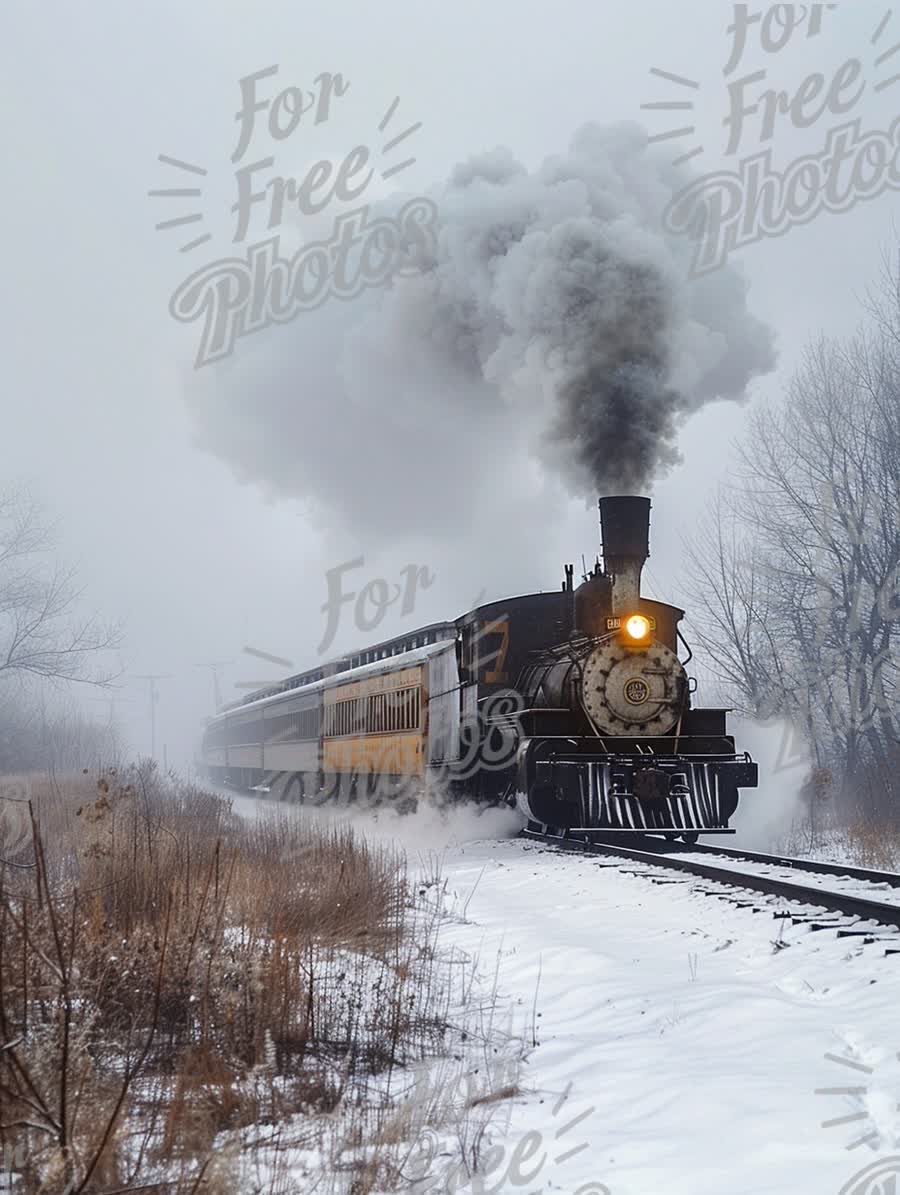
{"x":100,"y":393}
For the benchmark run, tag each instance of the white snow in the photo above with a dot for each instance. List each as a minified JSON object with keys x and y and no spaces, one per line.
{"x":695,"y":1030}
{"x":693,"y":1045}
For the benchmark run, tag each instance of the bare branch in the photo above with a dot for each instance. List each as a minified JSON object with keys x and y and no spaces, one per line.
{"x":42,"y":633}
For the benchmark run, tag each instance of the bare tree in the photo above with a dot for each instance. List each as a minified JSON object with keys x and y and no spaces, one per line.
{"x":738,"y":621}
{"x":42,"y":633}
{"x":795,"y":577}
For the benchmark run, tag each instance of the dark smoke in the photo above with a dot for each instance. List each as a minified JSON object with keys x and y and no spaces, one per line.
{"x":617,"y":411}
{"x":556,"y":334}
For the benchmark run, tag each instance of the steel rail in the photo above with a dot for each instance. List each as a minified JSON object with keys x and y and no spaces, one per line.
{"x":833,"y":902}
{"x":814,"y":866}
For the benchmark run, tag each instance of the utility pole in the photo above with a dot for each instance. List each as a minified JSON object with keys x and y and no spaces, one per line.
{"x":214,"y":666}
{"x":152,"y":678}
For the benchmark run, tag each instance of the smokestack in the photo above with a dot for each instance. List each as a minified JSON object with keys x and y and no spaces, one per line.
{"x":625,"y":531}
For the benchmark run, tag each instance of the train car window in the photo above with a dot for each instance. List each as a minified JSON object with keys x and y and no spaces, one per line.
{"x":376,"y":713}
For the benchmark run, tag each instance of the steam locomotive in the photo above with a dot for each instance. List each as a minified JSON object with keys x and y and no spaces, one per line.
{"x":572,"y":705}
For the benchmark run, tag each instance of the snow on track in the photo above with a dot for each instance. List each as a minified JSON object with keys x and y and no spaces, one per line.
{"x":696,"y":1030}
{"x":846,"y":885}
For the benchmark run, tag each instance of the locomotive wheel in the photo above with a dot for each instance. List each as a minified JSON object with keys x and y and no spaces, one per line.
{"x":691,"y":839}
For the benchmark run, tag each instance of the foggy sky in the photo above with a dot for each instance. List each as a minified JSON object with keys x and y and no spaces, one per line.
{"x":196,"y":561}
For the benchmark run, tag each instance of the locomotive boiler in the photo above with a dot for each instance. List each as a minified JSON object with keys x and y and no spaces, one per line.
{"x":573,"y":705}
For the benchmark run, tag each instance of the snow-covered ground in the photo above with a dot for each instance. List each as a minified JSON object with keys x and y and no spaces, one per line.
{"x":685,"y":1045}
{"x":692,"y":1035}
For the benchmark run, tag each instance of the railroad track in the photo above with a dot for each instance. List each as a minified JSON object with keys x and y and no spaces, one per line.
{"x":853,"y":903}
{"x":811,"y":866}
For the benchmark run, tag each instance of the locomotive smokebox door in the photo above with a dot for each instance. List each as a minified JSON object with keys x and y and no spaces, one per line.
{"x":626,"y":692}
{"x":651,"y":784}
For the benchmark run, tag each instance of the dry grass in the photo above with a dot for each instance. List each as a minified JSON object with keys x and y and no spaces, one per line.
{"x":860,"y":842}
{"x":185,"y":994}
{"x":874,"y":846}
{"x":857,"y":821}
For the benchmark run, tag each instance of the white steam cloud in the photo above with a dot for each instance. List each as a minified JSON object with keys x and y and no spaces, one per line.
{"x":556,"y":338}
{"x":434,"y":825}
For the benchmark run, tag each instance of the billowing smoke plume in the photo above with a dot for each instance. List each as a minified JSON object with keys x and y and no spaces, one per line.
{"x":617,"y":408}
{"x":556,"y":336}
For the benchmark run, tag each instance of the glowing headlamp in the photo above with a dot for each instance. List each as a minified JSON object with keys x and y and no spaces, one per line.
{"x":637,"y":627}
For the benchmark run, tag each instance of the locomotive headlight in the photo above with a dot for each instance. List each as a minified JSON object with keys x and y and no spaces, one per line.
{"x":637,"y":627}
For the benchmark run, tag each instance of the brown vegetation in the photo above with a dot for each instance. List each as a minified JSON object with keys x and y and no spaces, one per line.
{"x":184,"y":993}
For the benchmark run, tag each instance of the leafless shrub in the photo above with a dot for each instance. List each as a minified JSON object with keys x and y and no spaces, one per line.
{"x":871,"y":845}
{"x":185,"y":996}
